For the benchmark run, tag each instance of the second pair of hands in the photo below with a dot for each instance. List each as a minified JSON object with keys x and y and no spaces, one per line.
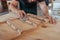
{"x":51,"y":20}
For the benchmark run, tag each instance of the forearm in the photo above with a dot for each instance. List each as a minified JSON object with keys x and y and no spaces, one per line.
{"x":44,"y":8}
{"x":13,"y":8}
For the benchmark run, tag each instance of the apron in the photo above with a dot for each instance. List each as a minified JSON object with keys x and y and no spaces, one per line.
{"x":28,"y":7}
{"x":47,"y":2}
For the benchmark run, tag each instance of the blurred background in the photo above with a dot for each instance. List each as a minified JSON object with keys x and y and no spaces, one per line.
{"x":53,"y":6}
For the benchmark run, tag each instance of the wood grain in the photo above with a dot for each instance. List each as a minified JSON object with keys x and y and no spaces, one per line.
{"x":22,"y":26}
{"x":52,"y":32}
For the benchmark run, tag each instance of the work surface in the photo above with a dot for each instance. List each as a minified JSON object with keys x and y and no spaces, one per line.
{"x":51,"y":32}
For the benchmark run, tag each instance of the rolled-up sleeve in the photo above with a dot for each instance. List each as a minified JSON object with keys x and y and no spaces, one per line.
{"x":40,"y":0}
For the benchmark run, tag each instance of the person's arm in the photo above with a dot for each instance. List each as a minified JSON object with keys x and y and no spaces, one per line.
{"x":44,"y":9}
{"x":13,"y":8}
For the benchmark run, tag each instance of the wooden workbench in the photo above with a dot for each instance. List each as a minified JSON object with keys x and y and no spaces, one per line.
{"x":50,"y":32}
{"x":11,"y":26}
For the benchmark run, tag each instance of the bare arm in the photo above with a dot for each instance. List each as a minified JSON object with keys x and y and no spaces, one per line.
{"x":13,"y":8}
{"x":44,"y":8}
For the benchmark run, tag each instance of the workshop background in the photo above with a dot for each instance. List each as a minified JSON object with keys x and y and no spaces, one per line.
{"x":54,"y":9}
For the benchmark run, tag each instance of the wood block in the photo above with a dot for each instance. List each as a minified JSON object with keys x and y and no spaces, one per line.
{"x":6,"y":32}
{"x":38,"y":18}
{"x":25,"y":23}
{"x":34,"y":20}
{"x":21,"y":25}
{"x":16,"y":26}
{"x":25,"y":26}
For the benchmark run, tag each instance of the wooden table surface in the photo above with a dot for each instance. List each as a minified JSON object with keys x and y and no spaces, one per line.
{"x":51,"y":32}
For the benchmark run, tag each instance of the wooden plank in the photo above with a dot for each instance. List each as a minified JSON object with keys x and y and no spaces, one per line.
{"x":15,"y":26}
{"x":21,"y":25}
{"x":34,"y":20}
{"x":38,"y":17}
{"x":25,"y":23}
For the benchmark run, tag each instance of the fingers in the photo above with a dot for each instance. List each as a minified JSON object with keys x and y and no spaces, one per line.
{"x":55,"y":21}
{"x":22,"y":14}
{"x":52,"y":21}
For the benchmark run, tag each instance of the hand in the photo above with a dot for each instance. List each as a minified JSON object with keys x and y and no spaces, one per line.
{"x":21,"y":13}
{"x":51,"y":20}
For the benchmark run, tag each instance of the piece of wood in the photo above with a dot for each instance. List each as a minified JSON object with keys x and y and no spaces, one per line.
{"x":25,"y":23}
{"x":38,"y":20}
{"x":37,"y":17}
{"x":14,"y":26}
{"x":34,"y":20}
{"x":52,"y":32}
{"x":6,"y":32}
{"x":22,"y":26}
